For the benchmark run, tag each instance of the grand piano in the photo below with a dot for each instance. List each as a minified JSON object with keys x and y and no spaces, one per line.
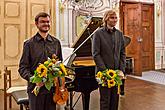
{"x":83,"y":64}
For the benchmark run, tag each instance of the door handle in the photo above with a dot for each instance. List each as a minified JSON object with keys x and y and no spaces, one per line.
{"x":139,"y":39}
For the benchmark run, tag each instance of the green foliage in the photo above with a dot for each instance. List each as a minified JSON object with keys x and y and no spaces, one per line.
{"x":36,"y":79}
{"x":48,"y":85}
{"x":46,"y":73}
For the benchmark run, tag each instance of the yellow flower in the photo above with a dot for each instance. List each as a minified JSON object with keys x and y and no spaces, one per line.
{"x":111,"y":83}
{"x":46,"y":62}
{"x":60,"y":73}
{"x":45,"y":72}
{"x":99,"y":74}
{"x":54,"y":60}
{"x":112,"y":73}
{"x":41,"y":70}
{"x":50,"y":64}
{"x":103,"y":85}
{"x":63,"y":68}
{"x":108,"y":78}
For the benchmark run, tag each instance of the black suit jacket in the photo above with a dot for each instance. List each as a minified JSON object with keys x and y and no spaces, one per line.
{"x":108,"y":49}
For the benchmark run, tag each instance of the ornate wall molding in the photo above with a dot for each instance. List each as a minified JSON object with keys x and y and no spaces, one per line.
{"x":89,"y":7}
{"x":35,"y":8}
{"x":11,"y":41}
{"x":12,"y":9}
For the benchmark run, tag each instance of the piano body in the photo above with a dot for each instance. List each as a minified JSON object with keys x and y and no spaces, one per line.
{"x":83,"y":63}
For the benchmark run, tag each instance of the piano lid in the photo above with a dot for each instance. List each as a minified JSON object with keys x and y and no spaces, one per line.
{"x":85,"y":49}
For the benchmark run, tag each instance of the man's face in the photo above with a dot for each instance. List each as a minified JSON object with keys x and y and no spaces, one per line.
{"x":112,"y":20}
{"x":43,"y":24}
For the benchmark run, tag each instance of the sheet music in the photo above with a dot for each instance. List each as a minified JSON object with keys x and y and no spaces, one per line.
{"x":66,"y":52}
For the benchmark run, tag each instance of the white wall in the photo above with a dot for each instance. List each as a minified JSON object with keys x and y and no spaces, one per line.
{"x":159,"y":39}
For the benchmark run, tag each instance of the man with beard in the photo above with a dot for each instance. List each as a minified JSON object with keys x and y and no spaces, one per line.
{"x":37,"y":50}
{"x":108,"y":51}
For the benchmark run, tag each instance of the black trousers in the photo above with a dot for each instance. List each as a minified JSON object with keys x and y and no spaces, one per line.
{"x":41,"y":101}
{"x":109,"y":98}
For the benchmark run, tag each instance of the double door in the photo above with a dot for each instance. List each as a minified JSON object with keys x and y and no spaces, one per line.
{"x":137,"y":22}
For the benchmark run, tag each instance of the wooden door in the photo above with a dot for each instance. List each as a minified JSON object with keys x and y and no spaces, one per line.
{"x":16,"y":25}
{"x":137,"y":22}
{"x":12,"y":28}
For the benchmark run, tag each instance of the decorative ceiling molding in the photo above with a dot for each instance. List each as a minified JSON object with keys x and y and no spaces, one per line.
{"x":87,"y":6}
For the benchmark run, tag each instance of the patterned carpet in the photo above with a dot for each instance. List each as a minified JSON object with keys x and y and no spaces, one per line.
{"x":152,"y":76}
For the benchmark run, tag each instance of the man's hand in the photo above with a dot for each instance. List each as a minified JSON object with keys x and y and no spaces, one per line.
{"x":121,"y":74}
{"x":40,"y":84}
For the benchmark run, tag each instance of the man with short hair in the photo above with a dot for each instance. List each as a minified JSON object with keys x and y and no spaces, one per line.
{"x":37,"y":50}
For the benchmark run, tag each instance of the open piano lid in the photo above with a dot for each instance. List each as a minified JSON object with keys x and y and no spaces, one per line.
{"x":85,"y":49}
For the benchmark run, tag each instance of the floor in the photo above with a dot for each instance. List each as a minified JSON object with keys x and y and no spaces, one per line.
{"x":139,"y":95}
{"x":153,"y":76}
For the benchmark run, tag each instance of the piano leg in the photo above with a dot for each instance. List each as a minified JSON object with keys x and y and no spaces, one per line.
{"x":85,"y":100}
{"x":71,"y":100}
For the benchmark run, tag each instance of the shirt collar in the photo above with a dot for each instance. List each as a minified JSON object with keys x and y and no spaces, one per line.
{"x":108,"y":30}
{"x":39,"y":37}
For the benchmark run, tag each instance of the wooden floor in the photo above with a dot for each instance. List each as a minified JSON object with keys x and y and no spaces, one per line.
{"x":142,"y":95}
{"x":139,"y":95}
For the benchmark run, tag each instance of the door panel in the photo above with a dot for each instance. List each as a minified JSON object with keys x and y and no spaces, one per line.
{"x":131,"y":28}
{"x":147,"y":37}
{"x":14,"y":33}
{"x":12,"y":28}
{"x":34,"y":7}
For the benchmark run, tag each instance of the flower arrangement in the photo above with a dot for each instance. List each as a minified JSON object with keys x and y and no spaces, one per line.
{"x":109,"y":78}
{"x":47,"y":73}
